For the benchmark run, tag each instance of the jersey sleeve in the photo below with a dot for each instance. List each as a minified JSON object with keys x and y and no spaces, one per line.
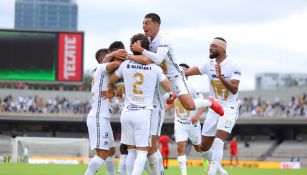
{"x":162,"y":51}
{"x":203,"y":68}
{"x":236,"y":75}
{"x":101,"y":68}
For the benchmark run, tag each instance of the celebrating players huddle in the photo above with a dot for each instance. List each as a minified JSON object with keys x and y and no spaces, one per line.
{"x":154,"y":65}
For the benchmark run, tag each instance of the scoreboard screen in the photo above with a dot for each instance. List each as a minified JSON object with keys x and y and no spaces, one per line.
{"x":41,"y":56}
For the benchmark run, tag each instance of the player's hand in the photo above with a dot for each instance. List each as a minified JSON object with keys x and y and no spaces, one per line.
{"x":119,"y":93}
{"x":194,"y":120}
{"x":120,"y":54}
{"x":107,"y":94}
{"x":218,"y":70}
{"x":136,"y":47}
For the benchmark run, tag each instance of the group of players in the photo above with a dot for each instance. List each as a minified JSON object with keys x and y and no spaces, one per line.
{"x":153,"y":65}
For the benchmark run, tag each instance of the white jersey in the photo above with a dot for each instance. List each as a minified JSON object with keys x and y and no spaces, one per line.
{"x":100,"y":79}
{"x":180,"y":112}
{"x":162,"y":53}
{"x":140,"y":82}
{"x":230,"y":70}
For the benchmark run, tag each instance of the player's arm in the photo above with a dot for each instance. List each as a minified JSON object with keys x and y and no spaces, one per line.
{"x":140,"y":59}
{"x":233,"y":84}
{"x":113,"y":65}
{"x":197,"y":116}
{"x":155,"y":57}
{"x":119,"y":54}
{"x":166,"y":85}
{"x":192,"y":71}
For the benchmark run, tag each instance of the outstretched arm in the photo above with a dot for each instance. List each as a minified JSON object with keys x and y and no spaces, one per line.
{"x":192,"y":71}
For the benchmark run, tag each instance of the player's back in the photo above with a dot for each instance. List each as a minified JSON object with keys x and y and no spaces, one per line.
{"x":140,"y":81}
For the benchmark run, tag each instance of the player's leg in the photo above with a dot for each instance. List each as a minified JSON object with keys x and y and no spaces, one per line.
{"x":179,"y":86}
{"x":182,"y":158}
{"x":127,"y":138}
{"x":98,"y":142}
{"x":208,"y":136}
{"x":142,"y":138}
{"x":110,"y":162}
{"x":181,"y":137}
{"x":154,"y":156}
{"x":224,"y":128}
{"x":231,"y":157}
{"x":122,"y":161}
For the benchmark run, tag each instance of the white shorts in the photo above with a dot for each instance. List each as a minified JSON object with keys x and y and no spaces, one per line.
{"x":135,"y":127}
{"x":157,"y":119}
{"x":226,"y":123}
{"x":179,"y":85}
{"x":185,"y":130}
{"x":100,"y":133}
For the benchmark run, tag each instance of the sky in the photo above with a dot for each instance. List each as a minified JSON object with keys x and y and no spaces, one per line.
{"x":263,"y":36}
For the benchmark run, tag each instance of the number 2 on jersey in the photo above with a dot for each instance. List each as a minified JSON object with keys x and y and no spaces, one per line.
{"x":139,"y":81}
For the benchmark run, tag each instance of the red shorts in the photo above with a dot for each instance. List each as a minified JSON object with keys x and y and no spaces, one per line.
{"x":164,"y":152}
{"x":233,"y":152}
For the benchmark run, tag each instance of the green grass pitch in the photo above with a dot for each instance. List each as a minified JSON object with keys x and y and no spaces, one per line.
{"x":53,"y":169}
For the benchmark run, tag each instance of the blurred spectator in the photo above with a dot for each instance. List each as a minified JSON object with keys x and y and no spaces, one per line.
{"x":233,"y":145}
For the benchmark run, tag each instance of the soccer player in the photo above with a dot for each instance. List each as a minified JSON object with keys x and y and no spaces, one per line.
{"x":233,"y":145}
{"x":164,"y":139}
{"x":98,"y":120}
{"x":139,"y":81}
{"x":187,"y":126}
{"x":162,"y":53}
{"x":224,"y":78}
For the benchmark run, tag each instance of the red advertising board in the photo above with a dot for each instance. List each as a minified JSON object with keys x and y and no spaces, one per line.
{"x":70,"y":57}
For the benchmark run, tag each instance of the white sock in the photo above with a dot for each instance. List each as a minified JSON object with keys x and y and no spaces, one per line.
{"x":217,"y":156}
{"x":147,"y":167}
{"x":130,"y":160}
{"x":110,"y":165}
{"x":182,"y":161}
{"x":94,"y":165}
{"x":160,"y":162}
{"x":208,"y":155}
{"x":201,"y":103}
{"x":122,"y":164}
{"x":153,"y":161}
{"x":139,"y":163}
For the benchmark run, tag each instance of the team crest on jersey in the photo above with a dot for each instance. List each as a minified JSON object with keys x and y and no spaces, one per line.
{"x":106,"y":134}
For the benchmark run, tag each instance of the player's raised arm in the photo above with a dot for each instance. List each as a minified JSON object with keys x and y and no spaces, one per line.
{"x":118,"y":54}
{"x":233,"y":84}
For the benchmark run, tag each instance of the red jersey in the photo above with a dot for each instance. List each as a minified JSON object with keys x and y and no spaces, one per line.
{"x":233,"y":147}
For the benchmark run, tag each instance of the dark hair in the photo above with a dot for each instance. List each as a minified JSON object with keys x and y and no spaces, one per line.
{"x":116,"y":45}
{"x":101,"y":52}
{"x":154,"y":17}
{"x":136,"y":38}
{"x":184,"y":65}
{"x":143,"y":41}
{"x":220,"y":38}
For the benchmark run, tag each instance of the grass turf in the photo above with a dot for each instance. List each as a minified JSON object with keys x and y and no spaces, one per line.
{"x":53,"y":169}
